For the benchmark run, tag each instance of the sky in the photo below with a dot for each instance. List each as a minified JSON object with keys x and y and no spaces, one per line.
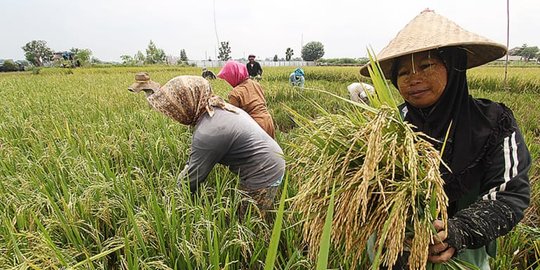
{"x":111,"y":28}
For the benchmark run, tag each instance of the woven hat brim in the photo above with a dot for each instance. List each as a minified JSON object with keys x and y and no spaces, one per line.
{"x":139,"y":86}
{"x":477,"y":55}
{"x":429,"y":31}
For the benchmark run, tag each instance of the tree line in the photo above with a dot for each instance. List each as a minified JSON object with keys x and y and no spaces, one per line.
{"x":526,"y":52}
{"x":37,"y":53}
{"x":312,"y":51}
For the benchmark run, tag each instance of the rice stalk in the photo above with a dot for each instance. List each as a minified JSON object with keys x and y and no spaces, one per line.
{"x":386,"y":177}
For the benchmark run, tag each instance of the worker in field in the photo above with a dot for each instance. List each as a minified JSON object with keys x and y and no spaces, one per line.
{"x":222,"y":133}
{"x":487,"y":160}
{"x":208,"y":74}
{"x":247,"y":94}
{"x":358,"y":92}
{"x":254,"y":68}
{"x":296,"y":78}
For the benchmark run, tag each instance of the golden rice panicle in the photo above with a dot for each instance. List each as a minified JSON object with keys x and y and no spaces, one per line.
{"x":386,"y":177}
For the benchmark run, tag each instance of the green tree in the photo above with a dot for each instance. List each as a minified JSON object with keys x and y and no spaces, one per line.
{"x":128,"y":60}
{"x":37,"y":52}
{"x":275,"y":58}
{"x":288,"y":54}
{"x":139,"y":58}
{"x":154,"y":55}
{"x":224,"y":51}
{"x":529,"y":52}
{"x":82,"y":55}
{"x":312,"y":51}
{"x":9,"y":65}
{"x":183,"y":56}
{"x":524,"y":51}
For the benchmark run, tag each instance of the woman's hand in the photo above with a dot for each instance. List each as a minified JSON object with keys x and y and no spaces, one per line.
{"x":440,"y":251}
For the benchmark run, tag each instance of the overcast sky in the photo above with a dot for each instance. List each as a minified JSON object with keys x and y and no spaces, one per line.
{"x":111,"y":28}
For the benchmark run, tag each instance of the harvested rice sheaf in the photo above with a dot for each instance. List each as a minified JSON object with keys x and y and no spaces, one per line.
{"x":386,"y":178}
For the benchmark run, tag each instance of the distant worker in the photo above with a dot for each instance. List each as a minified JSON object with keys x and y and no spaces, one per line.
{"x":208,"y":74}
{"x":297,"y":78}
{"x":254,"y":68}
{"x":247,"y":95}
{"x":358,"y":91}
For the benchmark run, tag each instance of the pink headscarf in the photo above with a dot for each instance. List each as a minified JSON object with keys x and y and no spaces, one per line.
{"x":234,"y":73}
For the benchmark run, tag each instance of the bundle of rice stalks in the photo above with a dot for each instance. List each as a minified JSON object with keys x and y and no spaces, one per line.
{"x":386,"y":177}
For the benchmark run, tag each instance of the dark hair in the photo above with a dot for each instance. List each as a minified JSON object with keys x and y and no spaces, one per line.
{"x":251,"y":55}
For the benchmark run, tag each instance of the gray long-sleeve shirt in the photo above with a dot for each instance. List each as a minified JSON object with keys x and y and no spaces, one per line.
{"x":237,"y":141}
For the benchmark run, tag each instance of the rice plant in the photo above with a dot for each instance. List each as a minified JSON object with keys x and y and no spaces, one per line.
{"x":386,"y":177}
{"x":88,"y":174}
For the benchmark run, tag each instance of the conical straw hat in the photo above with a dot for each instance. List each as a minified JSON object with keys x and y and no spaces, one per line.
{"x":143,"y":82}
{"x":429,"y":31}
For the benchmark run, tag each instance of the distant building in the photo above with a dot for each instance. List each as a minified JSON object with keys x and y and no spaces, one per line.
{"x":63,"y":56}
{"x":511,"y":58}
{"x":65,"y":59}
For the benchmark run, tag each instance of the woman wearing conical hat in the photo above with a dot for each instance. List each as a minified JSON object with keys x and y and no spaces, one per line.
{"x":222,"y":134}
{"x":487,"y":184}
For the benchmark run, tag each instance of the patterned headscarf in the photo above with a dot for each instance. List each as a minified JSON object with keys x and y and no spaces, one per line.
{"x":234,"y":73}
{"x":186,"y":98}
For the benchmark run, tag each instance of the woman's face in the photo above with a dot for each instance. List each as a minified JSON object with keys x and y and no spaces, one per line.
{"x":421,"y":78}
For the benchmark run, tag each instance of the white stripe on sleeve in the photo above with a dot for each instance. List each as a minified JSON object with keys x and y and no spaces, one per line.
{"x":511,"y":162}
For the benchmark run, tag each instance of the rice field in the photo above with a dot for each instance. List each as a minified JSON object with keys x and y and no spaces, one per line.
{"x":88,"y":174}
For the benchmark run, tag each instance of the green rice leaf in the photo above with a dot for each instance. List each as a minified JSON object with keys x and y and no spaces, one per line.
{"x":324,"y":247}
{"x":276,"y":231}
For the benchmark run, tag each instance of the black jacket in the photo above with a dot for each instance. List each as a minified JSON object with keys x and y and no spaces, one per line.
{"x":493,"y":204}
{"x":255,"y":69}
{"x":496,"y":203}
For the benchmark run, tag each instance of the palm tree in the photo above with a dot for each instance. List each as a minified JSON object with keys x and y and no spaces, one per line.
{"x":288,"y":54}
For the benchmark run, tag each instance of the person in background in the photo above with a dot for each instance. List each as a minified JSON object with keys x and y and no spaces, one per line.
{"x":247,"y":94}
{"x":297,"y":78}
{"x":487,"y":182}
{"x":222,"y":134}
{"x":358,"y":92}
{"x":254,"y":68}
{"x":208,"y":74}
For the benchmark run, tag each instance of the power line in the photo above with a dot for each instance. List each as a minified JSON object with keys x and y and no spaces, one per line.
{"x":215,"y":24}
{"x":507,"y":42}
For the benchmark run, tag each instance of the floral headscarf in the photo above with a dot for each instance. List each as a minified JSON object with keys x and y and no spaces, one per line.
{"x":186,"y":98}
{"x":234,"y":73}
